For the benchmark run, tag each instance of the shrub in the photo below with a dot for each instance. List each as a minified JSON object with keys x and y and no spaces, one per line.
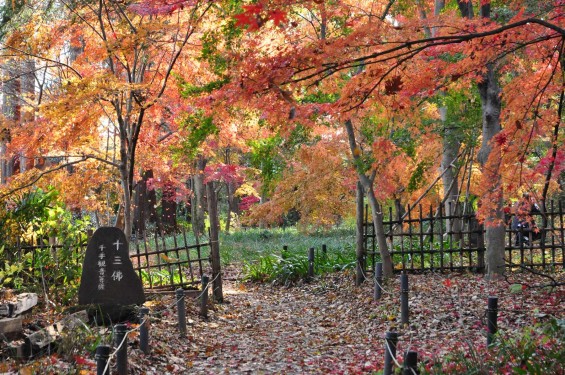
{"x":30,"y":220}
{"x":535,"y":350}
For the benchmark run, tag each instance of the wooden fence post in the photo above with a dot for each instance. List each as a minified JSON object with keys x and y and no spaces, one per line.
{"x":404,"y":298}
{"x":181,"y":311}
{"x":391,"y":339}
{"x":102,"y":355}
{"x":378,"y":280}
{"x":121,"y":342}
{"x":144,"y":330}
{"x":492,"y":317}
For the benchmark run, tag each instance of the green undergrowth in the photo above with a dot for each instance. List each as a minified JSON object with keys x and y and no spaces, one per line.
{"x":245,"y":246}
{"x":535,"y":350}
{"x":281,"y":255}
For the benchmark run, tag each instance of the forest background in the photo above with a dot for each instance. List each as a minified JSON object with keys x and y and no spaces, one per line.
{"x":285,"y":108}
{"x":129,"y":113}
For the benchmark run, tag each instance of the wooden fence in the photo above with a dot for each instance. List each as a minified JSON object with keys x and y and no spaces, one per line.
{"x":162,"y":264}
{"x":423,"y":241}
{"x":170,"y":264}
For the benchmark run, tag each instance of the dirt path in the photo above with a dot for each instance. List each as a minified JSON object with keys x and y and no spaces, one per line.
{"x":330,"y":326}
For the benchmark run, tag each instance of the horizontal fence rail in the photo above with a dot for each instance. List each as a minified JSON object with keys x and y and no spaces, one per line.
{"x":431,"y":240}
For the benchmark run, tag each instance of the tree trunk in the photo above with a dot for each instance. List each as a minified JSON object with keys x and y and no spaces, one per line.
{"x":214,"y":243}
{"x":229,"y":192}
{"x":360,"y":250}
{"x":451,"y":145}
{"x":197,"y":207}
{"x":494,"y":222}
{"x":376,"y":210}
{"x":169,"y":208}
{"x":11,"y":92}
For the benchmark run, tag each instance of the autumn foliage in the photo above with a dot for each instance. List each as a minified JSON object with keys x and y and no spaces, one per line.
{"x":132,"y":86}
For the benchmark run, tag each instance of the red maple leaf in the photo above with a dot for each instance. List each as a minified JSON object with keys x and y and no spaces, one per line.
{"x":246,"y":19}
{"x":393,"y":85}
{"x":278,"y":17}
{"x":447,"y":283}
{"x":253,"y":8}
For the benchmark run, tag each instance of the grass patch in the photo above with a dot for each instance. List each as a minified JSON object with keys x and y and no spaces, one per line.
{"x":250,"y":245}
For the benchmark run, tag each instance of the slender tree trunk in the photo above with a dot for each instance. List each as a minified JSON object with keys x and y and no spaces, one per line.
{"x":197,"y":207}
{"x":214,"y":243}
{"x":229,"y":192}
{"x":494,"y":223}
{"x":360,"y":250}
{"x":451,"y":147}
{"x":376,"y":210}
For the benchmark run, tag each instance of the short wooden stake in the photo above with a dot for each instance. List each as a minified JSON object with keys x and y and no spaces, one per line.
{"x":101,"y":357}
{"x":311,"y":262}
{"x":204,"y":297}
{"x":144,"y":330}
{"x":378,"y":281}
{"x":410,"y":366}
{"x":324,"y":250}
{"x":404,"y":298}
{"x":121,"y":343}
{"x":391,"y":339}
{"x":492,"y":317}
{"x":181,"y":311}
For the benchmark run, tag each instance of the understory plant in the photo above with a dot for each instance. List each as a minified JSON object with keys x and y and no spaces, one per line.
{"x":536,"y":350}
{"x":290,"y":267}
{"x":41,"y":245}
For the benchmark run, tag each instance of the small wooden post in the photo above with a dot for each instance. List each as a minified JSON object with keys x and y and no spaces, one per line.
{"x":102,"y":355}
{"x":121,"y":343}
{"x":204,"y":297}
{"x":410,"y":365}
{"x":391,"y":339}
{"x":181,"y":311}
{"x":144,"y":330}
{"x":492,"y":317}
{"x":378,"y":280}
{"x":311,"y":263}
{"x":404,"y":298}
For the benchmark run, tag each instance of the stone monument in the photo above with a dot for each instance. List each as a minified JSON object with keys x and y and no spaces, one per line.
{"x":108,"y":277}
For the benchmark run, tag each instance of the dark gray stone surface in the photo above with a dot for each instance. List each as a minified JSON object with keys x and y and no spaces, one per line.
{"x":107,"y":274}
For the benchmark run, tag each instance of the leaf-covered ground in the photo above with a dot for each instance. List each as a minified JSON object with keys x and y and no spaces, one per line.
{"x":329,"y":325}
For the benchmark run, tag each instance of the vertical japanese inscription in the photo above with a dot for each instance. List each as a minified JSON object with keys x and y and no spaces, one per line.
{"x":101,"y":268}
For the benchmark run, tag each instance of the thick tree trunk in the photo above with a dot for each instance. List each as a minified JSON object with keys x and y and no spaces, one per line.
{"x":494,"y":223}
{"x":144,"y":204}
{"x":11,"y":91}
{"x":169,"y":208}
{"x":376,"y":210}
